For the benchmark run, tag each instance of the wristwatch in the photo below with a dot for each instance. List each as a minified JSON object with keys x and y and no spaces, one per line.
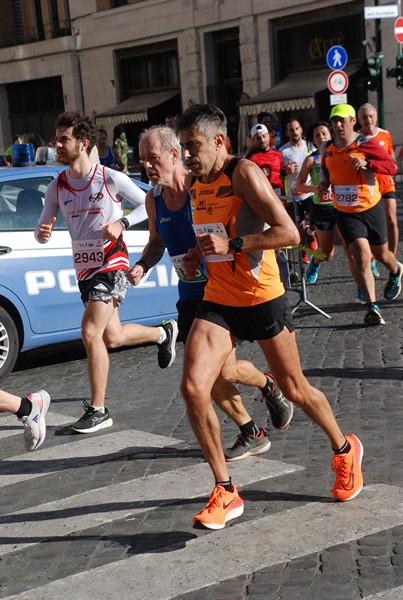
{"x":125,"y":222}
{"x":236,"y":244}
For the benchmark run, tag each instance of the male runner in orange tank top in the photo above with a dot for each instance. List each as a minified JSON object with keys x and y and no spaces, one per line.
{"x":233,"y":204}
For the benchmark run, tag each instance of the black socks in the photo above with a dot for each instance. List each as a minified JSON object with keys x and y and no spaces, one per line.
{"x":344,"y":449}
{"x":227,"y":485}
{"x":250,"y":428}
{"x":25,"y":408}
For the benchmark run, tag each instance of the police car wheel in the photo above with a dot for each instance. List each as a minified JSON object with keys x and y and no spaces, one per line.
{"x":9,"y":343}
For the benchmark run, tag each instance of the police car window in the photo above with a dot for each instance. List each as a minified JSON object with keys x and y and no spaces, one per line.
{"x":21,"y":203}
{"x":127,"y":208}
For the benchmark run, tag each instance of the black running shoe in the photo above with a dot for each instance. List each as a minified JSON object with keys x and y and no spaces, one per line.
{"x":167,"y":350}
{"x":92,"y":420}
{"x":281,"y":410}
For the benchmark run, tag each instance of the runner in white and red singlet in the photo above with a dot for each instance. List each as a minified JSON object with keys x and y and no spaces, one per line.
{"x":89,"y":198}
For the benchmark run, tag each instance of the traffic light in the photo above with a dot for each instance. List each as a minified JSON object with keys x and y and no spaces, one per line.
{"x":373,"y":71}
{"x":396,"y":71}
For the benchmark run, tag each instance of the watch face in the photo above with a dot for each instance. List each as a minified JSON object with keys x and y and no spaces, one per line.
{"x":236,"y":243}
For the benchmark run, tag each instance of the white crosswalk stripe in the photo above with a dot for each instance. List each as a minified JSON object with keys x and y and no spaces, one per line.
{"x":84,"y":451}
{"x":395,"y":594}
{"x":291,"y":534}
{"x":129,"y":498}
{"x":379,"y":507}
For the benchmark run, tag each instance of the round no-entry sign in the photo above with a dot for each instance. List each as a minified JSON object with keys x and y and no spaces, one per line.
{"x":399,"y":29}
{"x":337,"y":82}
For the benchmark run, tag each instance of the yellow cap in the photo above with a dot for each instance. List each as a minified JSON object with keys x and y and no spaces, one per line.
{"x":342,"y":111}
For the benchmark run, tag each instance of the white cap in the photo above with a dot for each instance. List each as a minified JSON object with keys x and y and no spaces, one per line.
{"x":259,"y":128}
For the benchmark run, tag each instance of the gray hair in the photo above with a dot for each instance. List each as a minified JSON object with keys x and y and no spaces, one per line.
{"x":366,"y":106}
{"x":167,"y":137}
{"x":207,"y":118}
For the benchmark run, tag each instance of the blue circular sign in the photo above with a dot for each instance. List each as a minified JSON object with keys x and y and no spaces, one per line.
{"x":336,"y":58}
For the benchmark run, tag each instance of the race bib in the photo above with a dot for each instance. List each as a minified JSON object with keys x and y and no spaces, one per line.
{"x":218,"y":229}
{"x":176,"y":261}
{"x":326,"y":196}
{"x":346,"y":195}
{"x":88,"y":253}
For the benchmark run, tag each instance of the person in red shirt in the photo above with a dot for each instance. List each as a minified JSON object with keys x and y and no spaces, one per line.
{"x":269,"y":160}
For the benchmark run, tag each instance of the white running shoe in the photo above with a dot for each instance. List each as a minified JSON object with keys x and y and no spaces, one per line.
{"x":34,"y":423}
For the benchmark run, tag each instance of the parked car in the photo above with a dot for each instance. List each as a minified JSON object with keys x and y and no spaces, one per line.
{"x":39,"y":298}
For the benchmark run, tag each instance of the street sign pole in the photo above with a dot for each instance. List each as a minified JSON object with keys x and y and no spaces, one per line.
{"x":378,"y":49}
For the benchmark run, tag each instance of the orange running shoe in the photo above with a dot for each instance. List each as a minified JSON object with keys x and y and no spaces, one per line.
{"x":349,"y":480}
{"x":221,"y":507}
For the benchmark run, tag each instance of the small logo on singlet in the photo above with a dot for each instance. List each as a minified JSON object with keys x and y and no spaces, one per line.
{"x":96,"y":197}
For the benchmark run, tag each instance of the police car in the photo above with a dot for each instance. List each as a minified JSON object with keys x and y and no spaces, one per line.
{"x":39,"y":298}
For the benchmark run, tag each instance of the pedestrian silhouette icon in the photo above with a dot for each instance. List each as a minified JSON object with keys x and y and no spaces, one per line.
{"x":336,"y":58}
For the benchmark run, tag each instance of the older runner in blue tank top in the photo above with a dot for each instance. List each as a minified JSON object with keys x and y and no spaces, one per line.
{"x":171,"y":228}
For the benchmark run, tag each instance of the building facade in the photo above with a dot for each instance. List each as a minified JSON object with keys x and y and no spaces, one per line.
{"x":136,"y":62}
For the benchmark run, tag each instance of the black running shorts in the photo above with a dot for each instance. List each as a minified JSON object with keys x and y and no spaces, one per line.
{"x":369,"y":224}
{"x":322,"y":216}
{"x":187,"y":310}
{"x":260,"y":322}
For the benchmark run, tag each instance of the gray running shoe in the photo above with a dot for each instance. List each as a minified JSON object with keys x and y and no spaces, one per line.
{"x":374,"y":316}
{"x":34,"y":423}
{"x":393,"y":286}
{"x":92,"y":420}
{"x":248,"y":445}
{"x":167,"y":350}
{"x":281,"y":410}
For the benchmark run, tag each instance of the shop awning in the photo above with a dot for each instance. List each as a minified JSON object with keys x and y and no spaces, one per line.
{"x":294,"y":92}
{"x":134,"y":109}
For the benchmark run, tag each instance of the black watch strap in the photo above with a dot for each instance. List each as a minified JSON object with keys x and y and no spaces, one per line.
{"x":236,"y":244}
{"x":125,"y":222}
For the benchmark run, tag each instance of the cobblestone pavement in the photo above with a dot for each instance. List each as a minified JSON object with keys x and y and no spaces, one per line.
{"x":119,"y":503}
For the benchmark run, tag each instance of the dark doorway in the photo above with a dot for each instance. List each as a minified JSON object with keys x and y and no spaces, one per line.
{"x":34,"y":106}
{"x":227,"y":89}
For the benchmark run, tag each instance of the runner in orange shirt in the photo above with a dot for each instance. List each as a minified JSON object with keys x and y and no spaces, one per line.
{"x":232,"y":204}
{"x":368,"y":119}
{"x":349,"y":163}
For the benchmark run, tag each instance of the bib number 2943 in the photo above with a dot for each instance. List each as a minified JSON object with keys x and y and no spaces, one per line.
{"x":88,"y":253}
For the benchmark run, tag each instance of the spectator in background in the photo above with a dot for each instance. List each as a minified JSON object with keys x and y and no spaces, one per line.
{"x":269,"y":160}
{"x":8,"y":155}
{"x":265,"y":118}
{"x":294,"y":154}
{"x":276,"y":130}
{"x":34,"y":139}
{"x":106,"y":153}
{"x":121,"y":146}
{"x":170,"y":122}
